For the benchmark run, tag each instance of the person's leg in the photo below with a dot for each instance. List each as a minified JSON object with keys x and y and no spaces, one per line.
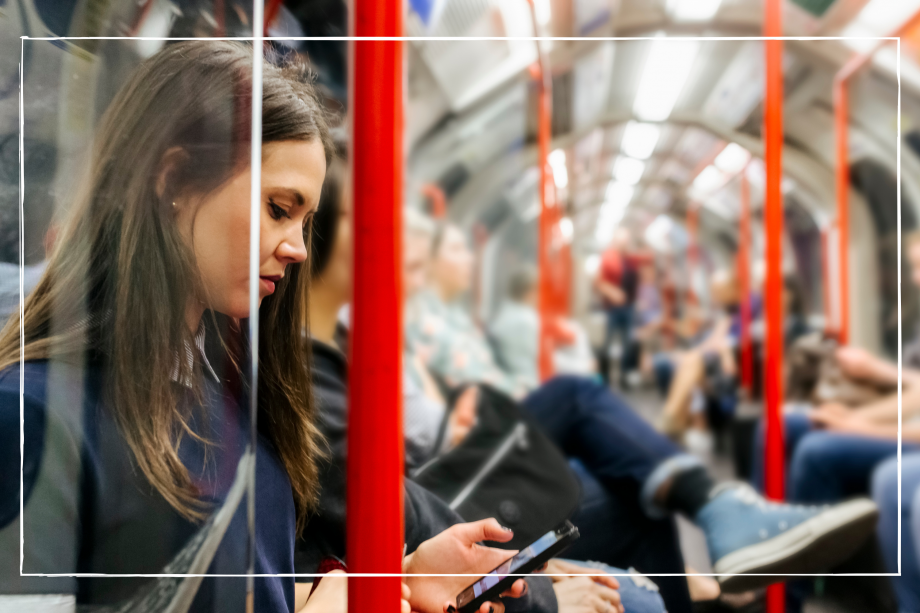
{"x":616,"y":531}
{"x":745,"y":533}
{"x":587,"y":421}
{"x":688,"y":376}
{"x":828,"y":466}
{"x":638,"y":593}
{"x":885,"y":493}
{"x":795,"y":426}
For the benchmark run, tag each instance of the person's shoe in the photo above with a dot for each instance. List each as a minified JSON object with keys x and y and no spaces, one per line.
{"x":749,"y":536}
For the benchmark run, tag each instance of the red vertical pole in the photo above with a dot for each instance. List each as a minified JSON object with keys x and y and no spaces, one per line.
{"x":841,"y":127}
{"x":773,"y":287}
{"x":827,"y":297}
{"x":744,"y":284}
{"x":547,"y":204}
{"x":692,"y":221}
{"x":375,"y":437}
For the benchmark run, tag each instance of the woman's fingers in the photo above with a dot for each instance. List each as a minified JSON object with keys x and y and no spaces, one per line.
{"x":517,"y":589}
{"x":492,"y":607}
{"x":406,"y":592}
{"x":484,"y":530}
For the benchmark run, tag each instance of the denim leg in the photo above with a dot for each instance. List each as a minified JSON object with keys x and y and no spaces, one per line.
{"x":638,"y":593}
{"x":587,"y":421}
{"x":829,"y":467}
{"x":616,"y":531}
{"x":795,"y":426}
{"x":885,"y":493}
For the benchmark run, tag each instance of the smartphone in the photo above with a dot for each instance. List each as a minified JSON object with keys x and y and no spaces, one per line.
{"x":525,"y":562}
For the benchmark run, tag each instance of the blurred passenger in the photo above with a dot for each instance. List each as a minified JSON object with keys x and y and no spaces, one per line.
{"x":617,"y":282}
{"x":886,"y":483}
{"x":712,"y":361}
{"x":440,"y":330}
{"x":634,"y":480}
{"x":425,"y":515}
{"x":516,"y":328}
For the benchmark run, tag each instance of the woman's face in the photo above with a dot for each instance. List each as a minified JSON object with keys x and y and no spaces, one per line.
{"x":217,"y":227}
{"x":452,"y":269}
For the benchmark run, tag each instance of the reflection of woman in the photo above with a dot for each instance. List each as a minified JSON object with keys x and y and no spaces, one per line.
{"x":125,"y":457}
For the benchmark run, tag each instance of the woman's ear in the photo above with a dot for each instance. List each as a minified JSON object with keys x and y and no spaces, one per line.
{"x":169,"y":165}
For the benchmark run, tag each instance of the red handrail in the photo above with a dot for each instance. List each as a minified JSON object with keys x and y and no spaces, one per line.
{"x":841,"y":127}
{"x":773,"y":286}
{"x":744,"y":284}
{"x":375,"y":436}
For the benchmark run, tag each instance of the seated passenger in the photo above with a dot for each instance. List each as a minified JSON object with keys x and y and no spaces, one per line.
{"x":425,"y":515}
{"x":515,"y":330}
{"x":640,"y":478}
{"x":136,"y":453}
{"x":885,"y":482}
{"x":515,"y":334}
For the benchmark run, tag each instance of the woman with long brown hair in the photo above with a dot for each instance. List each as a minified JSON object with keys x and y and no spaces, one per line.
{"x":129,"y":372}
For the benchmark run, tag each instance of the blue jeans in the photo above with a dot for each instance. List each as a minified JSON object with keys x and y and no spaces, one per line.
{"x":635,"y":593}
{"x":618,"y":458}
{"x":885,"y":493}
{"x":825,"y":466}
{"x":588,"y":422}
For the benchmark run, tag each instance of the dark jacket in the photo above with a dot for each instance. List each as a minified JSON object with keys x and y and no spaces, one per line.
{"x":425,"y":515}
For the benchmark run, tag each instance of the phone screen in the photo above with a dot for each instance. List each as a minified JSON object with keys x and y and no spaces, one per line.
{"x":511,"y":565}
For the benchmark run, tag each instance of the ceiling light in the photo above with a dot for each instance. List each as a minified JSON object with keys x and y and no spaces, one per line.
{"x":663,"y":77}
{"x":628,"y":170}
{"x":640,"y":139}
{"x":543,"y":11}
{"x":693,"y":10}
{"x":566,"y":229}
{"x":733,"y":159}
{"x":883,"y":16}
{"x":560,"y":171}
{"x":709,"y":180}
{"x":618,"y":195}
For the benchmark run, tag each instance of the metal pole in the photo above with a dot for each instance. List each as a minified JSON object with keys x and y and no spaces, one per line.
{"x":773,"y":286}
{"x":375,"y":434}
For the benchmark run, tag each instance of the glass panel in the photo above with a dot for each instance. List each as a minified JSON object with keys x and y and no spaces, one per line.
{"x":137,"y":425}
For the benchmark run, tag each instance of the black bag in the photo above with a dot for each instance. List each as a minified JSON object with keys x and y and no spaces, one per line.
{"x":507,"y":469}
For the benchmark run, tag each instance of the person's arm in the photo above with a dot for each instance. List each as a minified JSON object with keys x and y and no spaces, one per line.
{"x":860,"y":364}
{"x":608,"y":290}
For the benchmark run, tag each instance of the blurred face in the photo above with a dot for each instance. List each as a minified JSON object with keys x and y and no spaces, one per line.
{"x":724,"y":291}
{"x":337,"y":274}
{"x":217,"y":227}
{"x":415,"y":263}
{"x":622,"y":239}
{"x":452,"y":269}
{"x":913,"y":256}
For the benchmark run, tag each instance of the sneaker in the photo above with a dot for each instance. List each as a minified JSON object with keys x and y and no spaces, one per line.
{"x":748,"y":535}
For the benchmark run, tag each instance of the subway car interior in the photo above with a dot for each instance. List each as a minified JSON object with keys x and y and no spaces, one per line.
{"x":630,"y":287}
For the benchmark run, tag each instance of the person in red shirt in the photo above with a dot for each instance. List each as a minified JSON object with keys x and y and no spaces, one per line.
{"x":617,"y":282}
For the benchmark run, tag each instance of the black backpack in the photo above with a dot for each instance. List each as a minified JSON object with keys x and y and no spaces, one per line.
{"x":507,"y":469}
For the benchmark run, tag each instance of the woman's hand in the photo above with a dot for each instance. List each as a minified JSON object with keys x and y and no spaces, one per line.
{"x":836,"y":417}
{"x":463,"y":417}
{"x":562,"y":567}
{"x":331,"y":595}
{"x":584,"y":595}
{"x":456,"y":551}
